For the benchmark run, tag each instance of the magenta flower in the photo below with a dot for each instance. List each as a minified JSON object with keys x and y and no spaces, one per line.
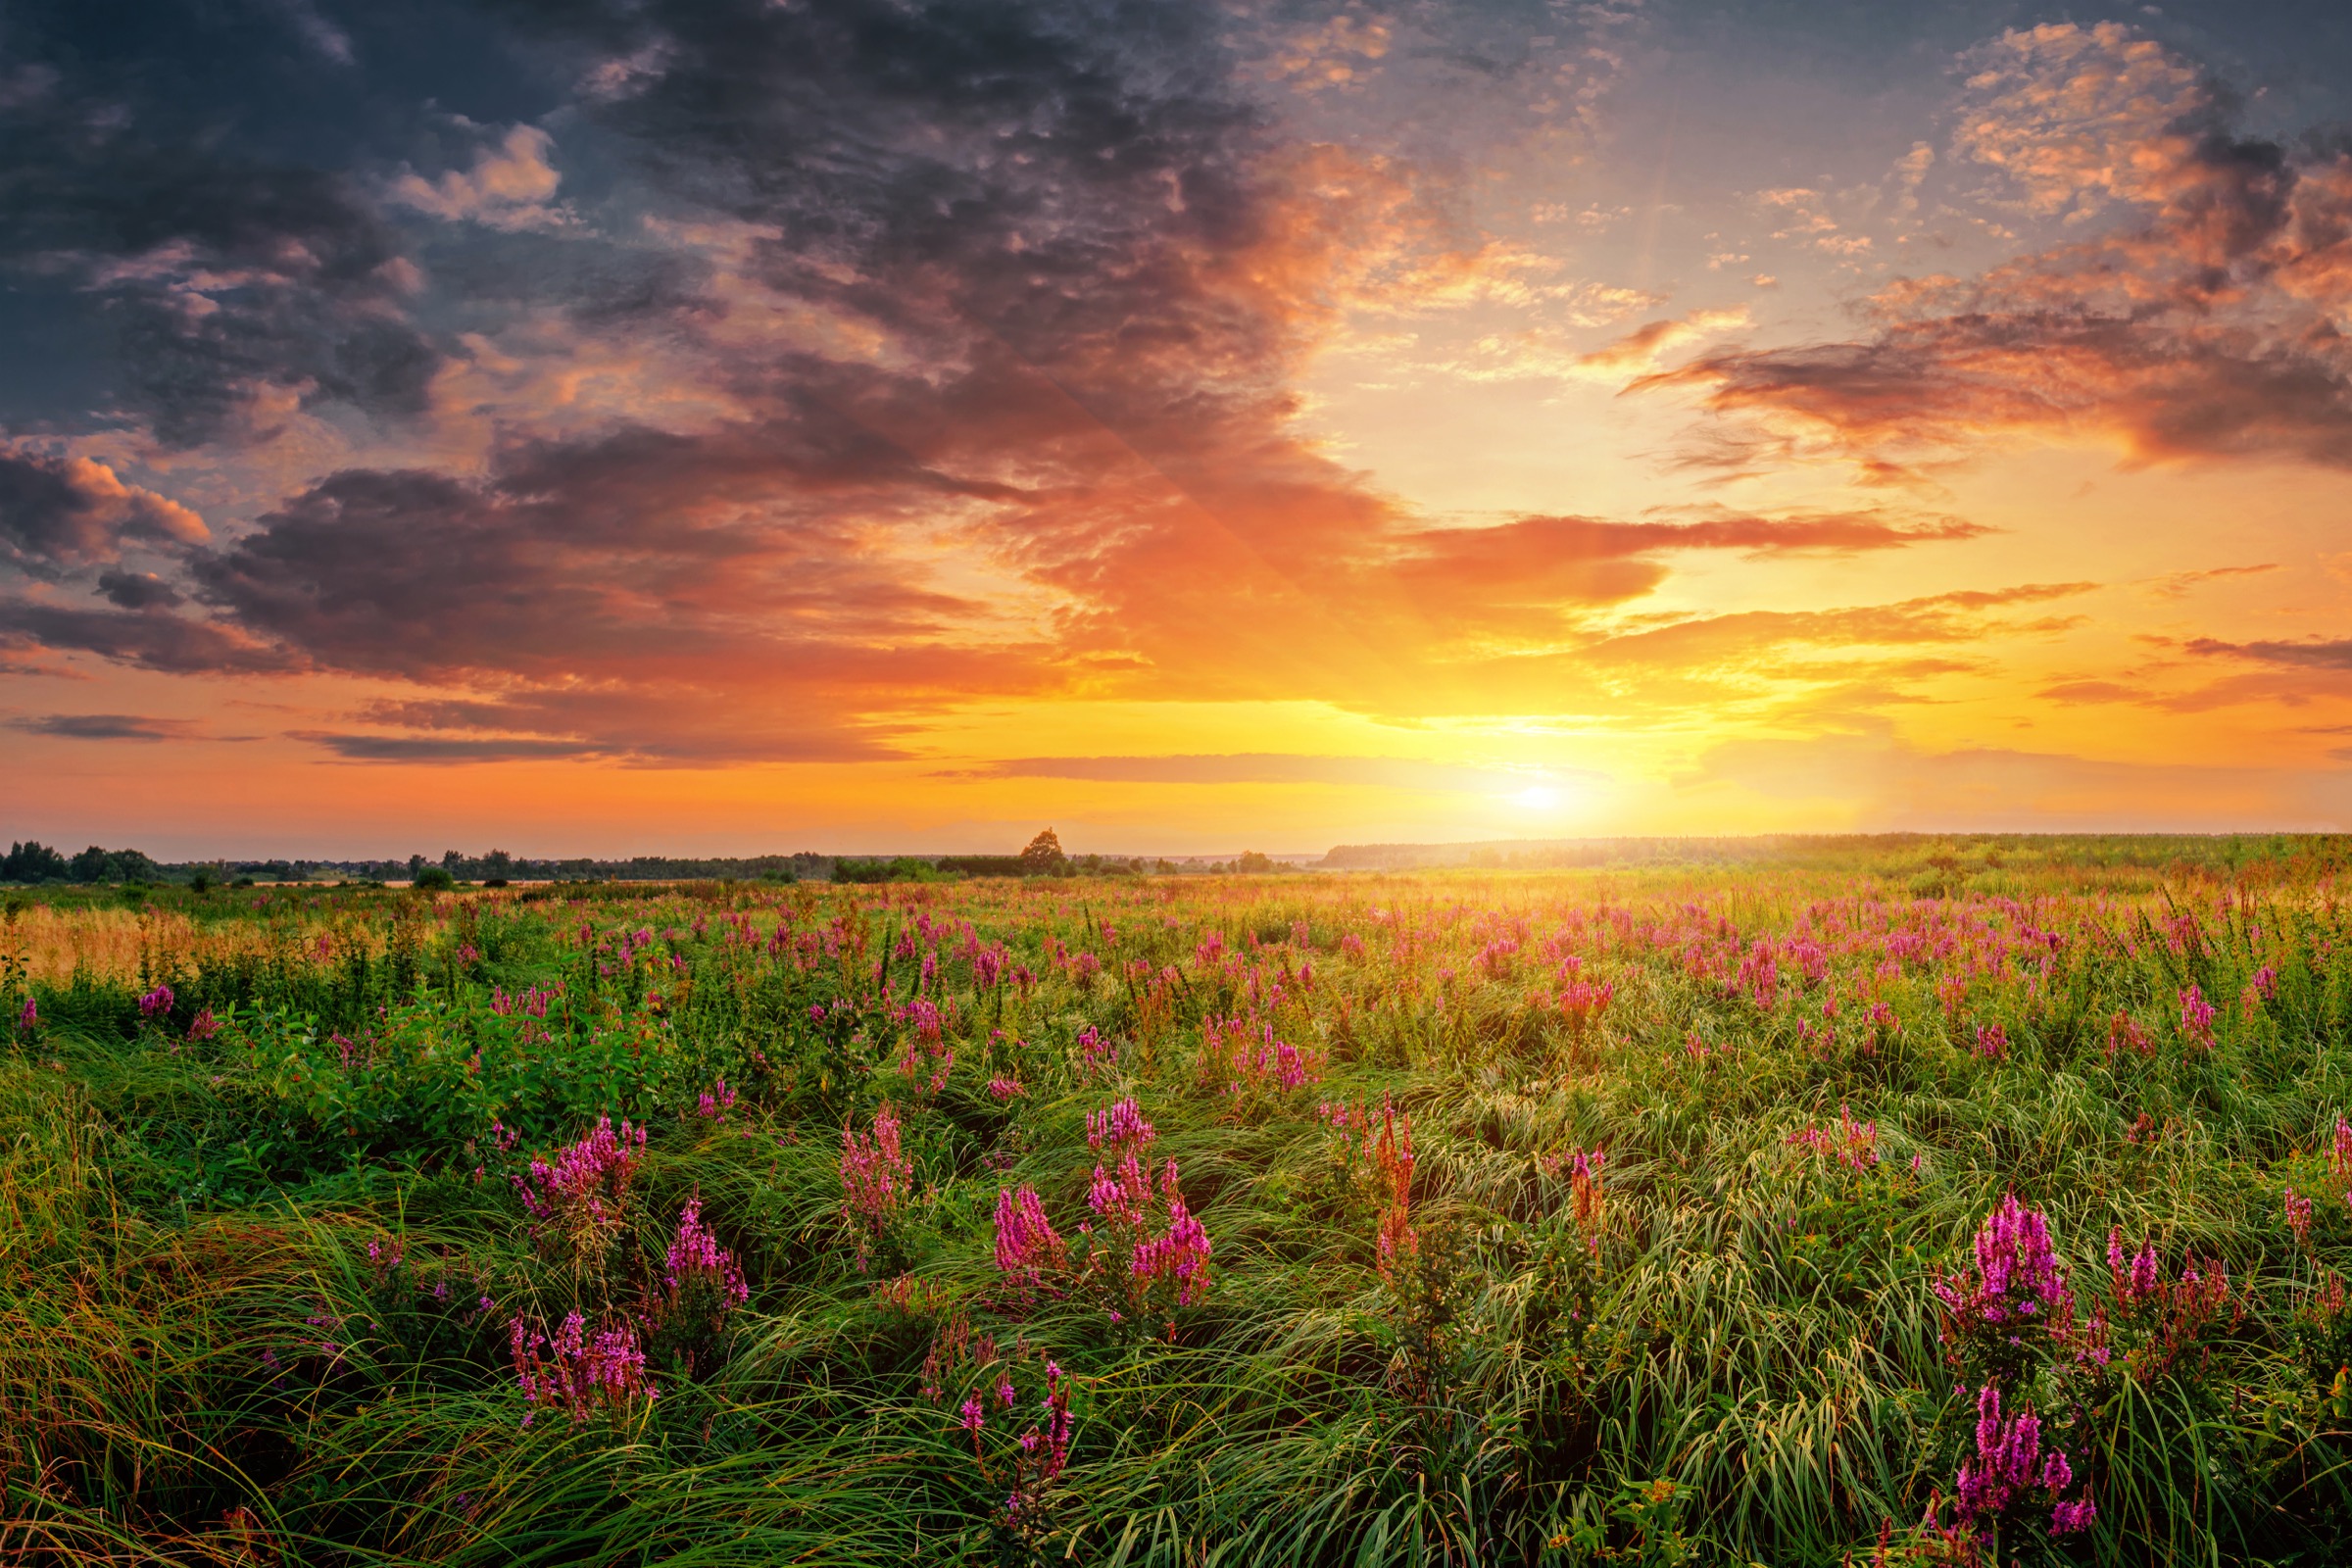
{"x":1122,"y":1123}
{"x":715,"y":1102}
{"x":2298,"y":1218}
{"x":29,"y":1016}
{"x":1028,"y":1248}
{"x":581,"y":1196}
{"x":2139,"y":1280}
{"x":2011,"y":1465}
{"x":701,"y":1272}
{"x":2016,"y":1279}
{"x":578,"y":1372}
{"x":157,"y":1001}
{"x":874,"y":1177}
{"x":2196,"y":1017}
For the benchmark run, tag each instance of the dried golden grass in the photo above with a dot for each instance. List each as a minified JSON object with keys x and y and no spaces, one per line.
{"x":108,"y":944}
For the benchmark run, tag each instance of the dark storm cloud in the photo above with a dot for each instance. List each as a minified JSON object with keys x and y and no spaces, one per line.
{"x":223,"y":271}
{"x":137,"y":590}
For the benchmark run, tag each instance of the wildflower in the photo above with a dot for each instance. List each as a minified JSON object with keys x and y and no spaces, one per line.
{"x":203,"y":1025}
{"x":2010,"y":1464}
{"x":1122,"y":1123}
{"x":715,"y":1102}
{"x":2298,"y":1218}
{"x":156,"y":1002}
{"x":2124,"y":1033}
{"x":1028,"y":1248}
{"x":874,"y":1176}
{"x":2196,"y":1017}
{"x":2139,"y":1280}
{"x":1181,"y":1256}
{"x":1993,"y":1041}
{"x":580,"y":1198}
{"x":1854,"y":1143}
{"x":580,"y":1372}
{"x":29,"y":1016}
{"x":2016,"y":1282}
{"x":1392,"y":1160}
{"x":1003,"y":1090}
{"x":701,"y":1273}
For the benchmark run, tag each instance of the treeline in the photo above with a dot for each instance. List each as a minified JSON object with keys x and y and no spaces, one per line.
{"x":33,"y":862}
{"x":497,"y":865}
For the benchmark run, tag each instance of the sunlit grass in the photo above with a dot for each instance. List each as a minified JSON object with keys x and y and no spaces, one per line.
{"x":1728,"y":1350}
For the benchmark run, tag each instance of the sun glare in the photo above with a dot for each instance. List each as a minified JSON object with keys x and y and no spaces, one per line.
{"x":1537,"y":798}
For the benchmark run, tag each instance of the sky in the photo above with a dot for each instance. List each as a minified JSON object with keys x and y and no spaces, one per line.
{"x":725,"y":427}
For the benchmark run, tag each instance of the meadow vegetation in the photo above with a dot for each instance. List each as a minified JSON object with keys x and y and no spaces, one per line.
{"x":1872,"y":1204}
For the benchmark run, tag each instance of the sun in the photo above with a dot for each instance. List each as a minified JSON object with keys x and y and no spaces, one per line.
{"x":1537,"y":798}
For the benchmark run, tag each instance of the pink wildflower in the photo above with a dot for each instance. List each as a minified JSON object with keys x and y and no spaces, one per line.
{"x":1028,"y":1248}
{"x":2196,"y":1017}
{"x":579,"y":1372}
{"x":1122,"y":1123}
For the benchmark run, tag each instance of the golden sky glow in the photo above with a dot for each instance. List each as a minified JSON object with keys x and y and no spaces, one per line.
{"x":861,"y":427}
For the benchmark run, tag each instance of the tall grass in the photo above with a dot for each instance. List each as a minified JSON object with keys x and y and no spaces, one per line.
{"x":1729,"y":1349}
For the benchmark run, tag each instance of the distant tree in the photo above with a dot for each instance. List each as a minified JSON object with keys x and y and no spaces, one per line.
{"x":1044,"y":854}
{"x":434,"y":878}
{"x":1252,"y":862}
{"x":35,"y":861}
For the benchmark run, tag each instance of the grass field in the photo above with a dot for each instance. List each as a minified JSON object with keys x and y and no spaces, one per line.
{"x":1899,"y":1204}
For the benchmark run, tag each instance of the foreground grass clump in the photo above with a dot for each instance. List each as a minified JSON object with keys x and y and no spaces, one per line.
{"x":1761,"y":1214}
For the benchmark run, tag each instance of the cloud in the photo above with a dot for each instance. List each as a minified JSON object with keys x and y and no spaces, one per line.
{"x":235,"y":284}
{"x":2076,"y":117}
{"x":1641,"y":349}
{"x":1949,"y":618}
{"x":65,"y":512}
{"x":105,"y":727}
{"x":2073,"y":691}
{"x":2176,"y":584}
{"x":508,"y":187}
{"x":2200,"y":324}
{"x":2315,"y":654}
{"x":361,"y":748}
{"x":151,"y":639}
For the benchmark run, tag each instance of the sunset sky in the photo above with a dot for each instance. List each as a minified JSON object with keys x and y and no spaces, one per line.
{"x":608,"y":426}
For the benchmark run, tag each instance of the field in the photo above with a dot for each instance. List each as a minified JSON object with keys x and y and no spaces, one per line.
{"x":1877,"y":1204}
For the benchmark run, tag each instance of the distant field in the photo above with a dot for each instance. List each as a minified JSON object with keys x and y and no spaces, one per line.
{"x":1916,"y":1205}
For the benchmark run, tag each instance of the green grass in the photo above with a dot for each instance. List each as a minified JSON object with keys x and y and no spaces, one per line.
{"x":1739,"y":1358}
